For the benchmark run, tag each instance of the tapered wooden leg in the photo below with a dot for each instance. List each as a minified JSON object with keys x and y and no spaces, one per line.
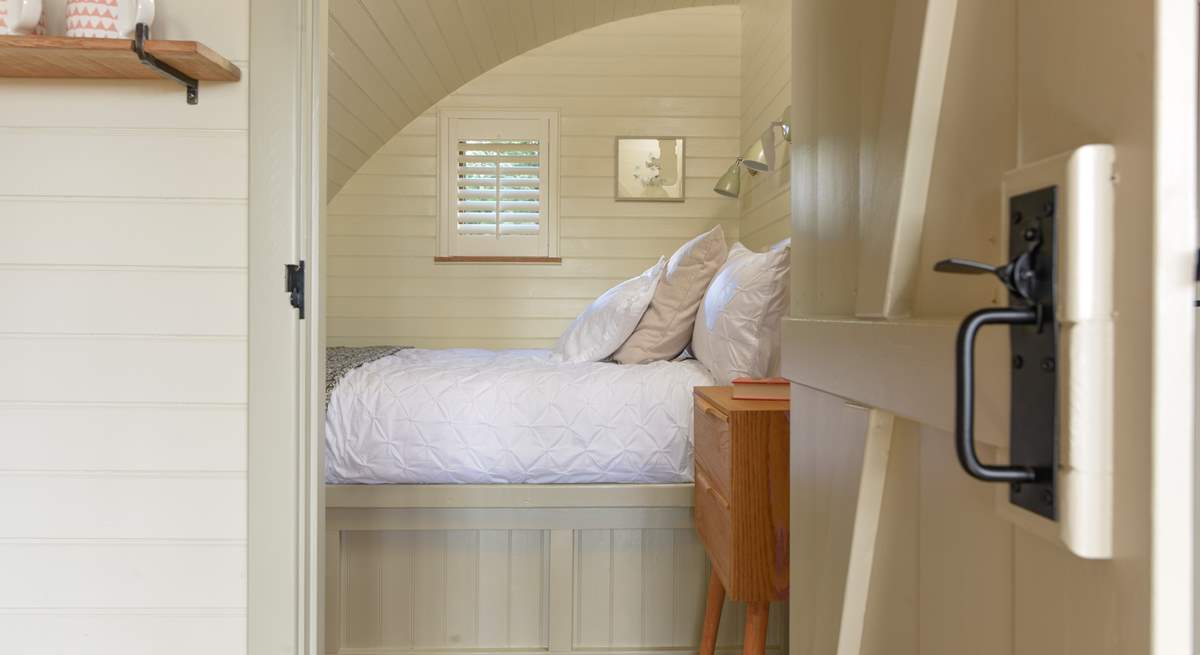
{"x":712,"y":614}
{"x":756,"y":629}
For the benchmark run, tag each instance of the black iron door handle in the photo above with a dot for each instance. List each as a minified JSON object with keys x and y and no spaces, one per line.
{"x":1033,"y":337}
{"x":964,"y":398}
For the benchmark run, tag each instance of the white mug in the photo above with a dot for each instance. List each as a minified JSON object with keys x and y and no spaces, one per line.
{"x":107,"y":19}
{"x":22,"y":17}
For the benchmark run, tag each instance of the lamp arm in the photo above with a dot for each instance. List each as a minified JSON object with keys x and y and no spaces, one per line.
{"x":784,"y":127}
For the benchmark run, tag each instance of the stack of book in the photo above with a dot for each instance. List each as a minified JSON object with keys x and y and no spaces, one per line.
{"x":761,"y":389}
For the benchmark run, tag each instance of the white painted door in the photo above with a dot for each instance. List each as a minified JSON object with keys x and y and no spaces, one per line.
{"x":906,"y":116}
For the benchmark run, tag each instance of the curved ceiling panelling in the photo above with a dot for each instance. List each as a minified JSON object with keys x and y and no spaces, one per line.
{"x":390,"y":60}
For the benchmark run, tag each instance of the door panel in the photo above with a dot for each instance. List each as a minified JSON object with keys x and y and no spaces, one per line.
{"x":1025,"y":79}
{"x":892,"y":623}
{"x":966,"y":557}
{"x":828,"y":440}
{"x":1063,"y":604}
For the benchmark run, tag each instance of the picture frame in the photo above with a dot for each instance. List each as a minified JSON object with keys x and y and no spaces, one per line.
{"x":644,"y":174}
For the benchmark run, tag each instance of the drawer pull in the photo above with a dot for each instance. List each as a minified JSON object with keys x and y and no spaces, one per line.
{"x":711,"y":490}
{"x":711,"y":411}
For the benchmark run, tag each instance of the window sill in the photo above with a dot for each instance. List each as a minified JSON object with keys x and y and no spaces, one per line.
{"x":497,"y":260}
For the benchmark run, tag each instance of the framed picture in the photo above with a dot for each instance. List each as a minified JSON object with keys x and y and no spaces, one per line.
{"x":650,"y":169}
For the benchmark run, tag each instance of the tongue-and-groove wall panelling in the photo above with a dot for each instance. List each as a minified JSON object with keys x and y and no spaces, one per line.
{"x":675,"y":73}
{"x":123,"y":258}
{"x":390,"y":60}
{"x":766,"y":97}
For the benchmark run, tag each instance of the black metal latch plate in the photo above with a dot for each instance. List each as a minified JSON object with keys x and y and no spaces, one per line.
{"x":1034,"y":411}
{"x":294,"y":285}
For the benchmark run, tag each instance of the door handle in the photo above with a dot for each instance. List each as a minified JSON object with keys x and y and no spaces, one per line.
{"x":1054,"y":257}
{"x":1030,"y":317}
{"x":1018,"y":276}
{"x":964,"y":397}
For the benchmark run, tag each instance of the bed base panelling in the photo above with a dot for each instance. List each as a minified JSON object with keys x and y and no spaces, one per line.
{"x":598,"y":574}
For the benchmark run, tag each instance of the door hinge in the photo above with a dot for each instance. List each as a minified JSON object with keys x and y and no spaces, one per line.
{"x":294,"y":285}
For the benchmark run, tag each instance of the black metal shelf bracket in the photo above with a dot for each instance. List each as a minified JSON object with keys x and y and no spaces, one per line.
{"x":166,"y":70}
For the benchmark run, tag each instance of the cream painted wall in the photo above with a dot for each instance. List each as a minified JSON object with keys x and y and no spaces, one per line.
{"x":123,"y":342}
{"x":671,"y":74}
{"x":766,"y":95}
{"x":391,"y":61}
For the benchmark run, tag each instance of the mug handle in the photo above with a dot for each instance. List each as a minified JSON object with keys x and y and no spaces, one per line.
{"x":132,"y":12}
{"x":23,"y":16}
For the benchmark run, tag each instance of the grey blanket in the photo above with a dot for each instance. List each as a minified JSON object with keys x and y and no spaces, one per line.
{"x":340,"y":360}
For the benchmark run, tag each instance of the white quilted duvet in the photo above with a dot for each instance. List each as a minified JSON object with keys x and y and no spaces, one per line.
{"x":512,"y":416}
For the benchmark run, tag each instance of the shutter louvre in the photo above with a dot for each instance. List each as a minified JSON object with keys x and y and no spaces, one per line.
{"x":499,"y":187}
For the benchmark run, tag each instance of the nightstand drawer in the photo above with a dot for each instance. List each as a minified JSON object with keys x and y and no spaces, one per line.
{"x":715,"y":525}
{"x":713,"y":443}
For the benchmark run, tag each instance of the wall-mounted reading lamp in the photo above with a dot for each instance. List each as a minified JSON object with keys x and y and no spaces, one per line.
{"x":758,"y":158}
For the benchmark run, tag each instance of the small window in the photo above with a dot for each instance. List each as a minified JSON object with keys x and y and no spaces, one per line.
{"x":498,"y":196}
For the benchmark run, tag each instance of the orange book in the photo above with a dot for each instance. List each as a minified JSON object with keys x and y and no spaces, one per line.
{"x":761,"y":389}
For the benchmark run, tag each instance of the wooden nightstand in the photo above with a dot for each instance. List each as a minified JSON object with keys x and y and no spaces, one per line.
{"x":742,"y":507}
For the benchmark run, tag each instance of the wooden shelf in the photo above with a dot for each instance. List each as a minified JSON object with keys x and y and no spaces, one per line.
{"x":497,"y":260}
{"x":109,"y":59}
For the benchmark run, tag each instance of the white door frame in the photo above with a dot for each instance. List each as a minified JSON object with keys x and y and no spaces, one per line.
{"x":287,"y":199}
{"x":1174,"y":322}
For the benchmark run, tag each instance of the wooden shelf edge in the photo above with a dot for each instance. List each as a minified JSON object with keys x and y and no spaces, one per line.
{"x":57,"y":57}
{"x":497,"y":260}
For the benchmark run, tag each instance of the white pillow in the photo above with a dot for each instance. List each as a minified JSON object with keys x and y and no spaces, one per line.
{"x":737,"y":327}
{"x":610,"y":319}
{"x":777,"y":336}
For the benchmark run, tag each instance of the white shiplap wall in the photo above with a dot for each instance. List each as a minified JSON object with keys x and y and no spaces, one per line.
{"x":766,"y":94}
{"x":390,"y":60}
{"x":674,"y":73}
{"x":123,"y":342}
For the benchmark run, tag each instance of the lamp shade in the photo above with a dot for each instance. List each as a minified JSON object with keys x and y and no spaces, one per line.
{"x":730,"y":184}
{"x":755,"y":158}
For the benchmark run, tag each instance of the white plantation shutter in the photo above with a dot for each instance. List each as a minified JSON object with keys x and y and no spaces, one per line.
{"x":497,"y":184}
{"x":499,"y":187}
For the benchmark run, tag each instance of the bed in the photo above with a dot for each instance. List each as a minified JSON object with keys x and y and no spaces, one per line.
{"x":480,"y":501}
{"x":514,"y":416}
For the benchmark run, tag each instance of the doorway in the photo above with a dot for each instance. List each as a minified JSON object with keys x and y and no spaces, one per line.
{"x":287,"y":506}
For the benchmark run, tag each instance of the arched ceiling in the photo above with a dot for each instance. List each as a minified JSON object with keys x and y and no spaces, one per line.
{"x":390,"y":60}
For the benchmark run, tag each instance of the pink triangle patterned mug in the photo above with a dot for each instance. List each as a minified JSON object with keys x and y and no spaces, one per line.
{"x":107,"y":19}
